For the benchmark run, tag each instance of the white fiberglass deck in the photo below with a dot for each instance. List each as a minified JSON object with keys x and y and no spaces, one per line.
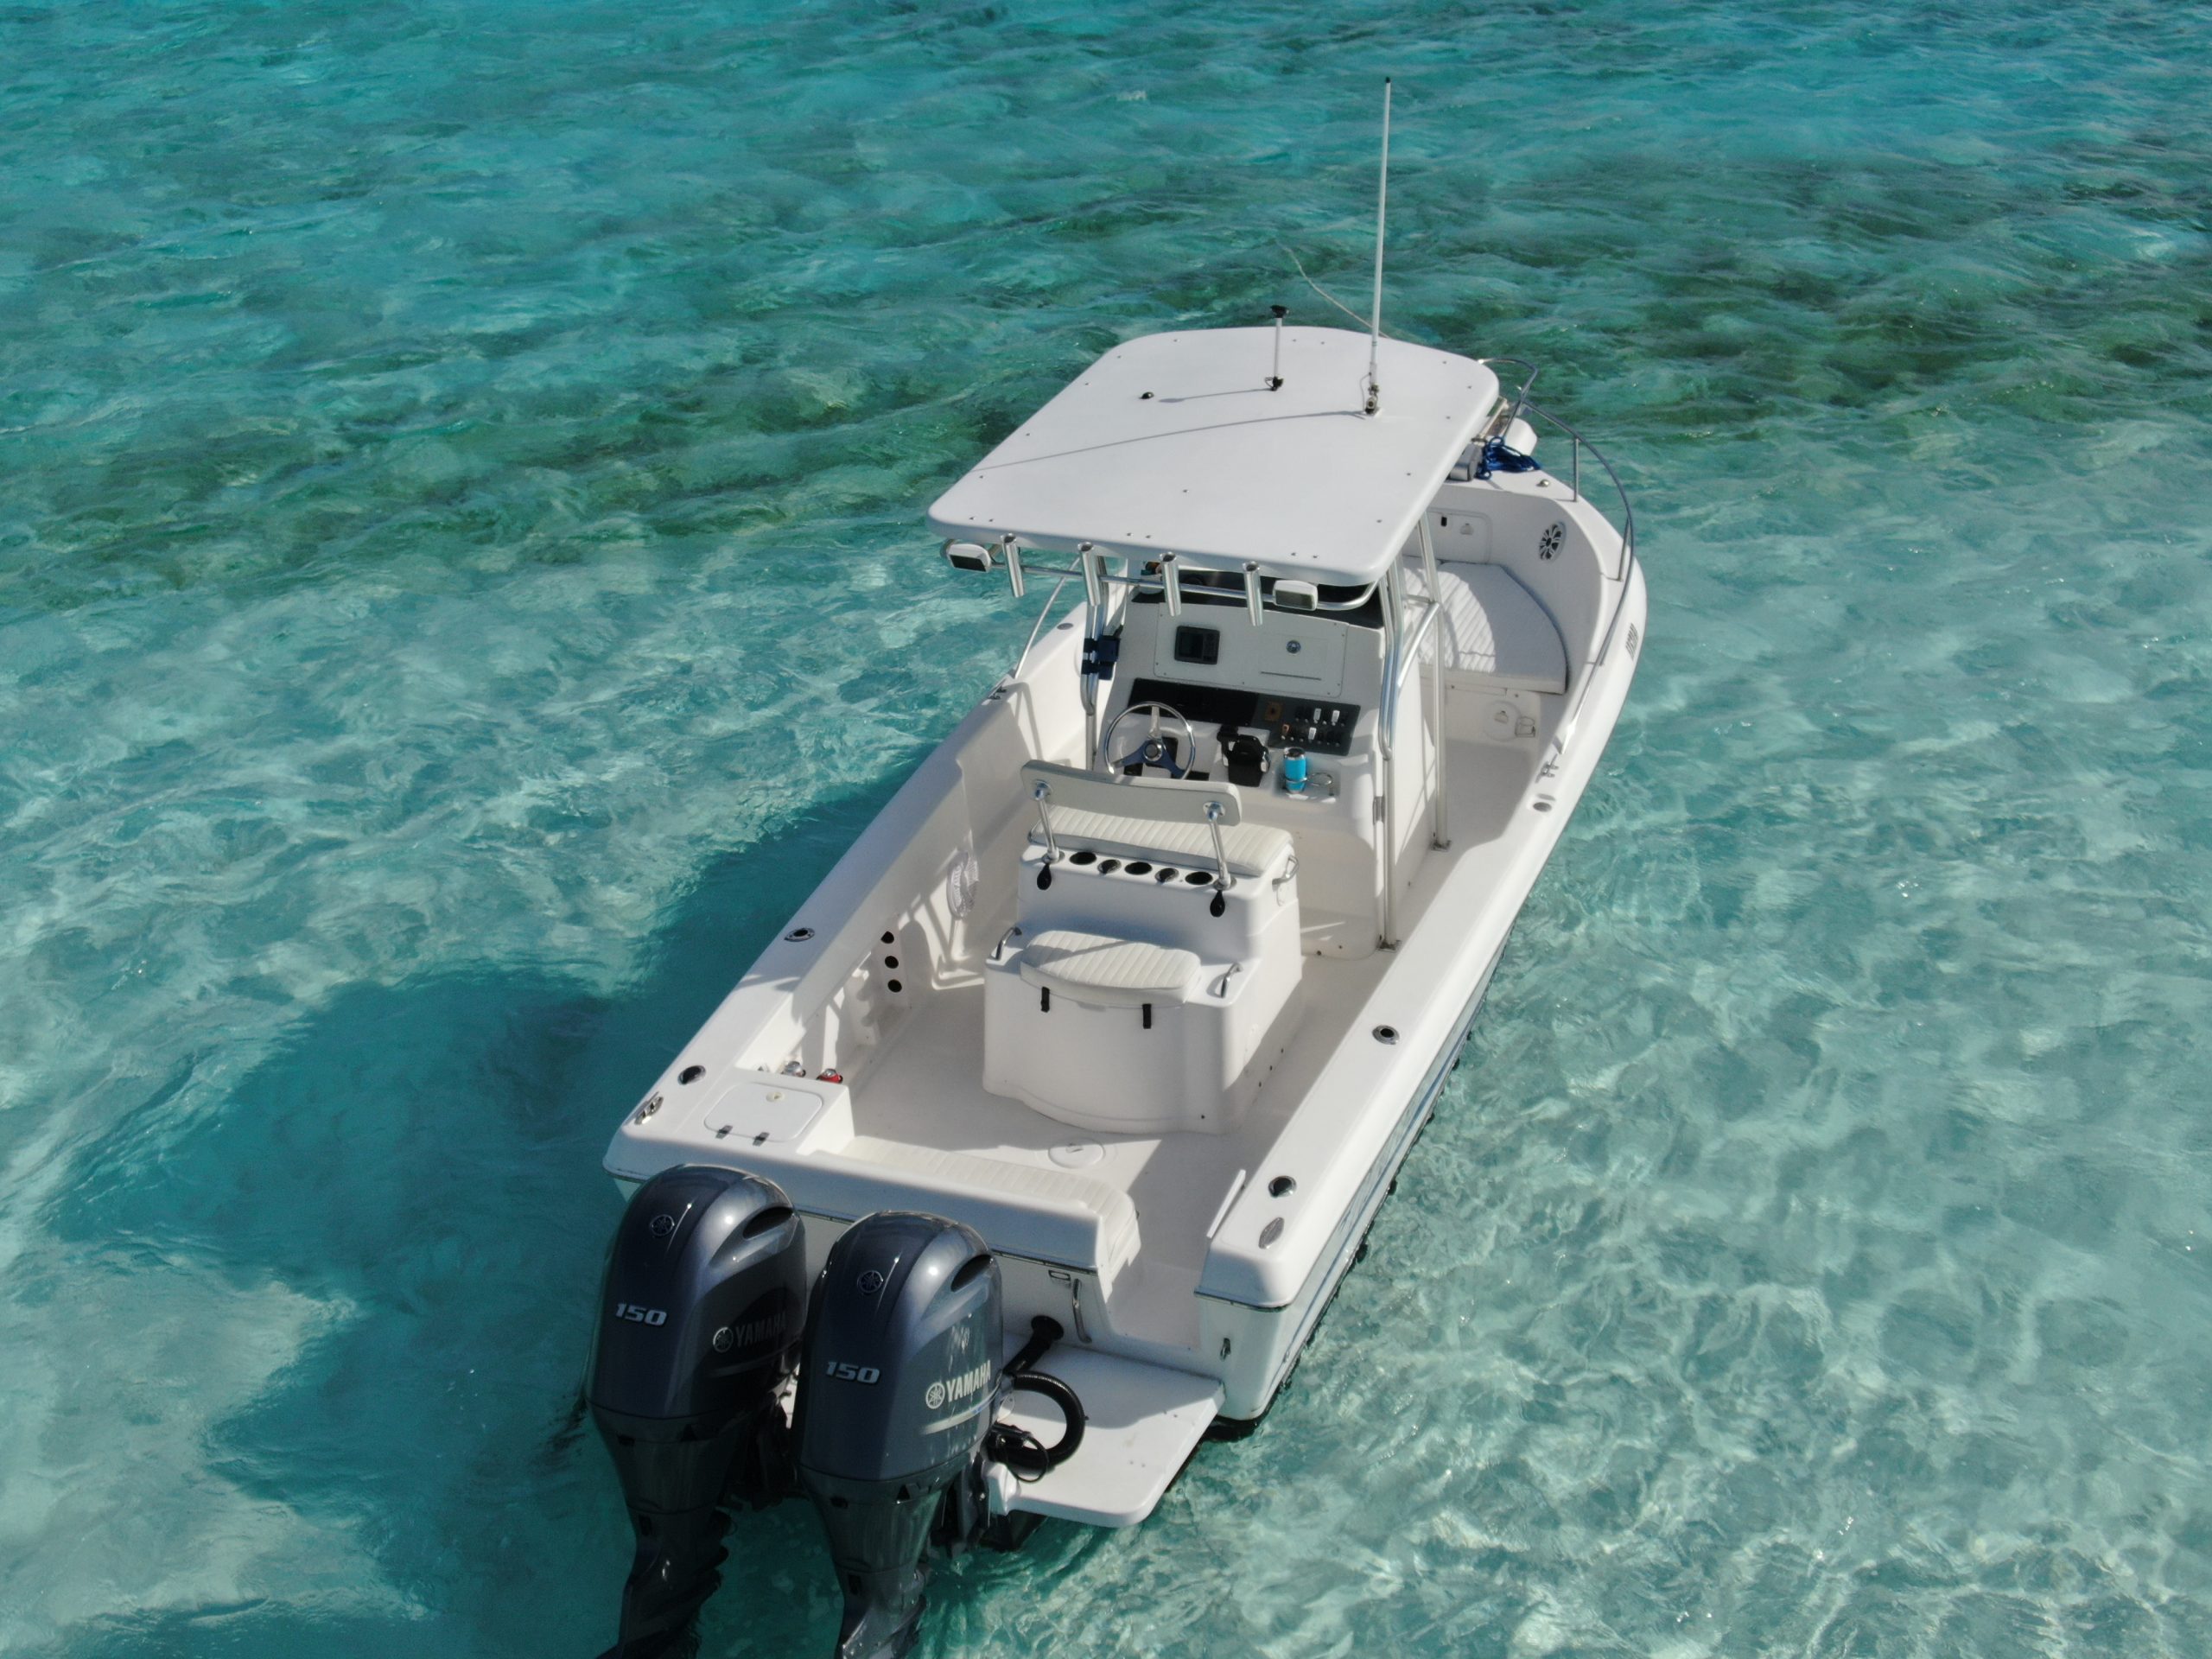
{"x":1242,"y":1130}
{"x":922,"y":1087}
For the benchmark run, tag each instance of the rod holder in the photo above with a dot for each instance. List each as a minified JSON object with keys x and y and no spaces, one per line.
{"x":1094,"y":575}
{"x":1012,"y":551}
{"x":1171,"y":583}
{"x":1274,"y":376}
{"x":1253,"y":602}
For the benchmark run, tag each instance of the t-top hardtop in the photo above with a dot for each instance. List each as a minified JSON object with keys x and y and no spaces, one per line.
{"x":1179,"y":443}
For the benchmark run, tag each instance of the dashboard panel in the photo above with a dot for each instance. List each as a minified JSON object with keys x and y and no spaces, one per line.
{"x":1212,"y":645}
{"x":1285,"y":719}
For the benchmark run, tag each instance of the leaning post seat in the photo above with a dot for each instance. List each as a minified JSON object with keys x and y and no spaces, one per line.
{"x":1155,"y":950}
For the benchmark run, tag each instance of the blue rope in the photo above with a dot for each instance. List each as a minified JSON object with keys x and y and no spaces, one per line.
{"x":1497,"y":458}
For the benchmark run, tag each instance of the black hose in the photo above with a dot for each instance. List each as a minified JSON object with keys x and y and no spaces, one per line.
{"x":1044,"y":1332}
{"x":1005,"y":1438}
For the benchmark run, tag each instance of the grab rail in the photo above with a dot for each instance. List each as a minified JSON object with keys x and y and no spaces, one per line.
{"x":1574,"y":484}
{"x":1399,"y":662}
{"x":1522,"y":407}
{"x":1626,"y":528}
{"x":1044,"y":615}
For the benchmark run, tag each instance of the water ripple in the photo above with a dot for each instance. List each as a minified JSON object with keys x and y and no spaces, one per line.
{"x":461,"y":581}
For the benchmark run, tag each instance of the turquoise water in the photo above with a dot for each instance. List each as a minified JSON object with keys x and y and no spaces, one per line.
{"x":461,"y":581}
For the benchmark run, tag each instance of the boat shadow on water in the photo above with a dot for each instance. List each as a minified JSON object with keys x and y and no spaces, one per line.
{"x":419,"y":1162}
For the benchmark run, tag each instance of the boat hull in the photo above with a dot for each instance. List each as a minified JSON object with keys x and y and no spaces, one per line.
{"x":1210,"y":1257}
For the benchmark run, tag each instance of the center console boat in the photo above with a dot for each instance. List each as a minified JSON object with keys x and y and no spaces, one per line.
{"x":1030,"y":1151}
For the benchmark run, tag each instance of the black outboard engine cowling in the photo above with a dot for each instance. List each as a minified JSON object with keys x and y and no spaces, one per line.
{"x":699,"y":1324}
{"x":895,"y":1393}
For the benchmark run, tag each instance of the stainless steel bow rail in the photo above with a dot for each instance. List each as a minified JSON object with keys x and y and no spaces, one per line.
{"x":1522,"y":409}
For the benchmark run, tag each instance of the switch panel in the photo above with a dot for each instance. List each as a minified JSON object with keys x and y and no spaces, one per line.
{"x":1318,"y":727}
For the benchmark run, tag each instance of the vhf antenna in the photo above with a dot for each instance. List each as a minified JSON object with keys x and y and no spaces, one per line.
{"x":1381,"y":208}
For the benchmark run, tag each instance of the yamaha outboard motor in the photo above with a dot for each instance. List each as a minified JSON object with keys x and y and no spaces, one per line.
{"x":895,"y":1394}
{"x":699,"y":1324}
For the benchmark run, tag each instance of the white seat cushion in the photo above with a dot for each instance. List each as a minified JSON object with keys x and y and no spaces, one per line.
{"x":1254,"y":849}
{"x":1493,"y":630}
{"x":1108,"y":973}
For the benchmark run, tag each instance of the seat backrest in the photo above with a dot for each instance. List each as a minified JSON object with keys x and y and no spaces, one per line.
{"x":1159,"y":800}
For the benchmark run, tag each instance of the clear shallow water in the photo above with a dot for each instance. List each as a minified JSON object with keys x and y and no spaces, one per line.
{"x":461,"y":582}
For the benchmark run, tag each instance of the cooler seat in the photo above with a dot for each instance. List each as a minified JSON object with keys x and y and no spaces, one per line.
{"x":1107,"y":973}
{"x":1125,"y":1002}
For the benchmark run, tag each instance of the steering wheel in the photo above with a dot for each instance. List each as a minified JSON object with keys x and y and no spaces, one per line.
{"x":1152,"y":750}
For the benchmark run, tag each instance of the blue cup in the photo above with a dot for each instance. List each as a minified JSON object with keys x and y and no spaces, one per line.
{"x":1294,"y":771}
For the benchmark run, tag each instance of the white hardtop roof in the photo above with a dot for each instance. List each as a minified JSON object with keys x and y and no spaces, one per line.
{"x":1173,"y":443}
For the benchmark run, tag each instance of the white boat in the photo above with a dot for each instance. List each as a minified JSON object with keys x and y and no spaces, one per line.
{"x":1127,"y":1005}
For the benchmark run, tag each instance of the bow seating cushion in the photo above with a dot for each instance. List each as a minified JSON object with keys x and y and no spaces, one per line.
{"x":1108,"y":973}
{"x":1493,"y":631}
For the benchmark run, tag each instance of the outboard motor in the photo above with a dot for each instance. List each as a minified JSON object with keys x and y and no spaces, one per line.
{"x":699,"y":1324}
{"x":895,"y":1394}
